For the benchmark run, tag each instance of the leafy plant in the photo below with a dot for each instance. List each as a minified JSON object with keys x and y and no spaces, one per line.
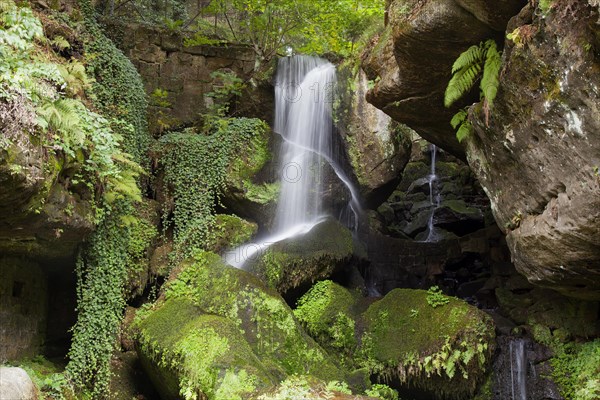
{"x":480,"y":62}
{"x":436,"y":298}
{"x":383,"y":392}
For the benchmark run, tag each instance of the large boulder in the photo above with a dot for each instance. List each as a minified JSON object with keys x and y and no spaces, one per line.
{"x":420,"y":339}
{"x":300,"y":261}
{"x":220,"y":332}
{"x":16,"y":384}
{"x":411,"y":60}
{"x":537,"y":156}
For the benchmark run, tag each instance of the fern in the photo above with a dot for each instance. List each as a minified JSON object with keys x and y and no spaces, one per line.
{"x":75,"y":77}
{"x":61,"y":117}
{"x":491,"y":71}
{"x":460,"y":122}
{"x":479,"y":62}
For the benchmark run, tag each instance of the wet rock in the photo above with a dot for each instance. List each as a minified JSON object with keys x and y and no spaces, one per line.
{"x":300,"y":261}
{"x":378,"y":147}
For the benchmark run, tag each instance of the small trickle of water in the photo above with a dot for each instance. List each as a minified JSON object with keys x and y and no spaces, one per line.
{"x":518,"y":369}
{"x":434,"y":198}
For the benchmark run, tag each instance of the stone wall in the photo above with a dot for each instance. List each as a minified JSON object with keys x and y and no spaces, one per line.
{"x":183,"y":72}
{"x":23,"y":308}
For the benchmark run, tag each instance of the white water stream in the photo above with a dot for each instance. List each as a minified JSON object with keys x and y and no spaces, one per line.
{"x":304,"y":93}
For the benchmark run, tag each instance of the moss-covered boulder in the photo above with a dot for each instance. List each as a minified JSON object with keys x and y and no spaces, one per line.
{"x":328,"y":313}
{"x":220,"y":332}
{"x":302,"y":260}
{"x":438,"y":344}
{"x":423,"y":339}
{"x":229,"y":231}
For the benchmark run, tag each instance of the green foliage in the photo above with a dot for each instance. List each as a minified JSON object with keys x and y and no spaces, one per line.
{"x":118,"y":88}
{"x":47,"y":377}
{"x":461,"y":124}
{"x":436,"y":298}
{"x":576,"y":369}
{"x":226,"y":87}
{"x":101,"y":276}
{"x":196,"y":168}
{"x":383,"y":392}
{"x":324,"y":312}
{"x":468,"y":68}
{"x":546,"y":5}
{"x":480,"y":62}
{"x":304,"y":388}
{"x":277,"y":28}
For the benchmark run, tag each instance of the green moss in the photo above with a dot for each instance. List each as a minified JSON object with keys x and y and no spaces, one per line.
{"x":443,"y":349}
{"x":229,"y":231}
{"x":262,"y":194}
{"x":261,"y":314}
{"x":208,"y":353}
{"x":290,"y":263}
{"x":576,"y":369}
{"x":326,"y":313}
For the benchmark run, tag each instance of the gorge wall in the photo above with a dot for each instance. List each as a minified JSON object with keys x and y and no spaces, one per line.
{"x":537,"y":155}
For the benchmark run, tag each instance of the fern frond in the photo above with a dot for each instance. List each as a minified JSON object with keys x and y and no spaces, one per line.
{"x":459,"y":118}
{"x":461,"y":83}
{"x":464,"y":131}
{"x":491,"y":71}
{"x":75,"y":77}
{"x":473,"y":55}
{"x":61,"y":116}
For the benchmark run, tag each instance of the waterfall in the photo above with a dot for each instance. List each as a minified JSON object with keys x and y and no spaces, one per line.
{"x":304,"y":93}
{"x":434,"y":199}
{"x":518,"y":370}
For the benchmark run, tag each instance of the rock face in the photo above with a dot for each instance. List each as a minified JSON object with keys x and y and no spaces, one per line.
{"x":459,"y":204}
{"x":538,"y":157}
{"x":411,"y":60}
{"x":16,"y":384}
{"x":33,"y":200}
{"x":378,"y":147}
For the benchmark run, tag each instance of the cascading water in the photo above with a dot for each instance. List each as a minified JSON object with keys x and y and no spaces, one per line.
{"x":434,"y":199}
{"x":518,"y":370}
{"x":304,"y":93}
